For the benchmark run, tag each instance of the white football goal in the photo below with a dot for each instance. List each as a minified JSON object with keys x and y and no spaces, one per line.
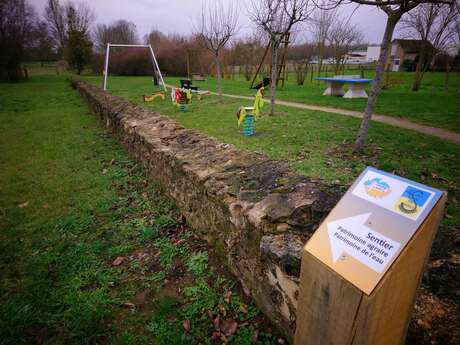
{"x":156,"y":68}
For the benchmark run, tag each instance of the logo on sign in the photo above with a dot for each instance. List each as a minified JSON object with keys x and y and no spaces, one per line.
{"x":411,"y":201}
{"x":377,"y":188}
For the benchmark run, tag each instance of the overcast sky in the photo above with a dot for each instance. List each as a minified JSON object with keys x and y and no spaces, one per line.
{"x":176,"y":16}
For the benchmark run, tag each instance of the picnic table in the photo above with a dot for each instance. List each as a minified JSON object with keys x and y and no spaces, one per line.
{"x":335,"y":86}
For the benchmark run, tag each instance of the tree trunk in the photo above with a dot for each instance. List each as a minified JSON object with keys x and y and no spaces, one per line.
{"x":375,"y":87}
{"x":418,"y":71}
{"x":219,"y":78}
{"x":446,"y":77}
{"x":337,"y":66}
{"x":386,"y":84}
{"x":273,"y":76}
{"x":320,"y":65}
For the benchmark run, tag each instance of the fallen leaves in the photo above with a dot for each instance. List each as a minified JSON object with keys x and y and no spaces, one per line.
{"x":129,"y":305}
{"x":215,"y":336}
{"x":243,"y":308}
{"x":436,"y":177}
{"x":224,"y":329}
{"x":228,"y":327}
{"x":186,"y":325}
{"x":118,"y":261}
{"x":24,"y":204}
{"x":216,"y":322}
{"x":222,"y":309}
{"x":227,"y":296}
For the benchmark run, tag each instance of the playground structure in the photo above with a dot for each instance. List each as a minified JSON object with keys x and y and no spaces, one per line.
{"x":153,"y":96}
{"x":157,"y":76}
{"x":281,"y":67}
{"x":187,"y":89}
{"x":248,"y":115}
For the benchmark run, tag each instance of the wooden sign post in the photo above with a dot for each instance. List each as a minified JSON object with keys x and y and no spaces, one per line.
{"x":362,"y":267}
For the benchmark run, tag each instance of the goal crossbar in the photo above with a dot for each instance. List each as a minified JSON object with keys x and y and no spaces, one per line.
{"x":156,"y":68}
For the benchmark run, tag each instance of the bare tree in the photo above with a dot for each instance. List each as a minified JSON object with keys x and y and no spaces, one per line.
{"x":40,"y":46}
{"x":63,"y":19}
{"x":301,"y":55}
{"x":394,"y":9}
{"x":320,"y":26}
{"x":17,"y":24}
{"x":434,"y":25}
{"x":121,"y":31}
{"x":217,"y":25}
{"x":276,"y":18}
{"x":457,"y":32}
{"x":79,"y":17}
{"x":55,"y":17}
{"x":342,"y":37}
{"x":247,"y":52}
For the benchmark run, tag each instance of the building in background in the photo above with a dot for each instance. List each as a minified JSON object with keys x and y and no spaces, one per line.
{"x":373,"y":53}
{"x":357,"y":57}
{"x":404,"y":54}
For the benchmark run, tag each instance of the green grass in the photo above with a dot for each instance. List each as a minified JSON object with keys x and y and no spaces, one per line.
{"x":318,"y":144}
{"x":71,"y":202}
{"x":431,"y":105}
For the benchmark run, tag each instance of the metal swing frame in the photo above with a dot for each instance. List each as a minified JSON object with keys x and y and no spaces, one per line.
{"x":156,"y":68}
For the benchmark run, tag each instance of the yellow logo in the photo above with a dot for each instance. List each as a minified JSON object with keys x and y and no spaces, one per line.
{"x":411,"y":201}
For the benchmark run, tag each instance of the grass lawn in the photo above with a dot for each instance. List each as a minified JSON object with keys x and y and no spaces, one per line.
{"x":431,"y":105}
{"x":91,"y":252}
{"x":318,"y":144}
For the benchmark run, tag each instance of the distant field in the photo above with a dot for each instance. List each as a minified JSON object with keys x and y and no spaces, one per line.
{"x":431,"y":105}
{"x":37,"y":68}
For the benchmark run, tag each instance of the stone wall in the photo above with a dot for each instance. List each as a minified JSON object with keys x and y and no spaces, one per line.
{"x":255,"y":211}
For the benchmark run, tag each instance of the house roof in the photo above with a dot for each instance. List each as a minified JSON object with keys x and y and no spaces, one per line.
{"x":413,"y":46}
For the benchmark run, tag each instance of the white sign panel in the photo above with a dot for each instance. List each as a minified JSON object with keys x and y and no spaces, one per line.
{"x":351,"y":236}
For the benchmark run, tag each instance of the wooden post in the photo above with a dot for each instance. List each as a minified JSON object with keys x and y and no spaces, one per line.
{"x":188,"y":63}
{"x":106,"y":67}
{"x":332,"y":311}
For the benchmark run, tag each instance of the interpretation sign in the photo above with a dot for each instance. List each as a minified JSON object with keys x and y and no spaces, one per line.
{"x":371,"y":225}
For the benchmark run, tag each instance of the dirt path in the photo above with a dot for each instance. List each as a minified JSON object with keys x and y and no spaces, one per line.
{"x":441,"y":133}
